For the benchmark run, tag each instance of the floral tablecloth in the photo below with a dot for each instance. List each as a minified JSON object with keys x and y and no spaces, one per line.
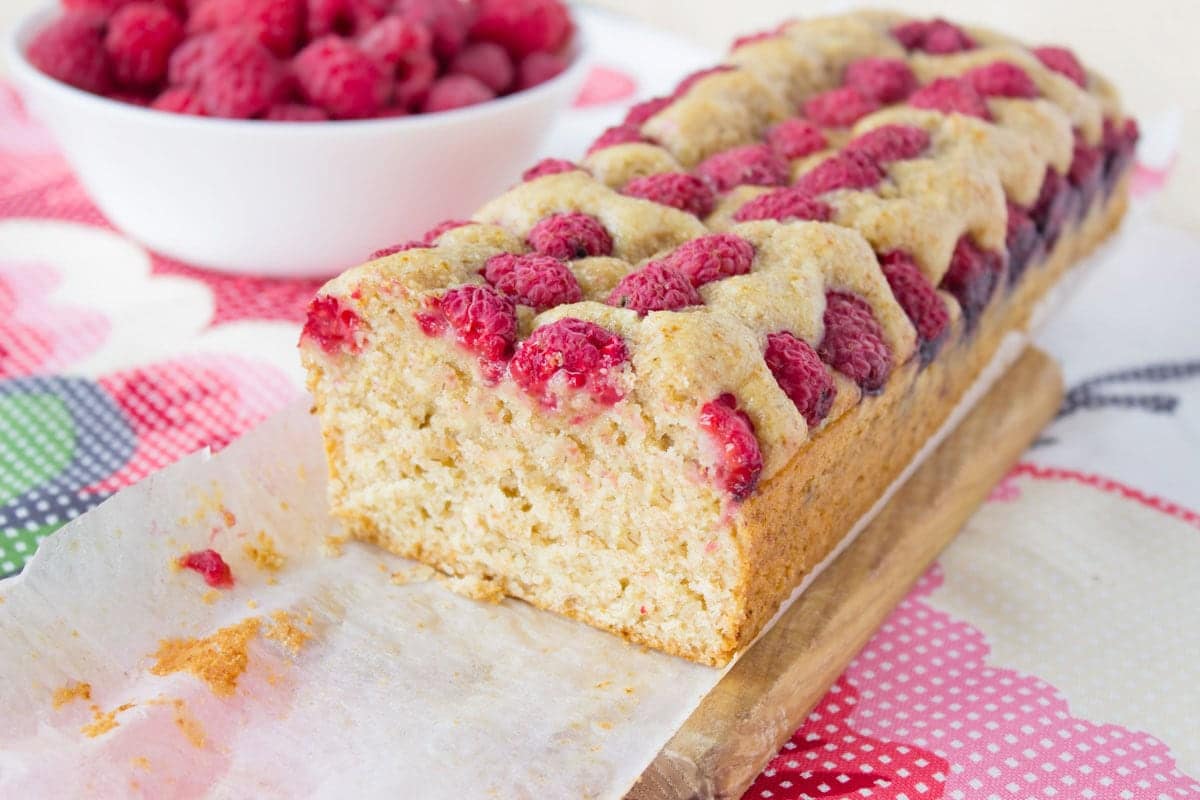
{"x":1053,"y":651}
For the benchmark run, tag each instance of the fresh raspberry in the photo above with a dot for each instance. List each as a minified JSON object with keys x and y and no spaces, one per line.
{"x":618,"y":134}
{"x":342,"y":17}
{"x":1054,"y":207}
{"x":753,"y":164}
{"x":886,"y":80}
{"x":950,"y":95}
{"x":1087,"y":171}
{"x":415,"y":75}
{"x":972,"y":278}
{"x":919,"y":300}
{"x":189,"y":61}
{"x":693,"y":78}
{"x":784,"y":205}
{"x":295,"y":112}
{"x":570,"y":235}
{"x":839,"y":108}
{"x":935,"y":36}
{"x":569,"y":354}
{"x":276,"y":24}
{"x":335,"y":75}
{"x":483,"y":320}
{"x":754,"y":38}
{"x":549,"y":166}
{"x":456,"y":91}
{"x":241,"y":78}
{"x":431,"y":236}
{"x":394,"y":39}
{"x":210,"y":565}
{"x":1062,"y":61}
{"x":853,"y":343}
{"x":712,"y":257}
{"x":646,"y":109}
{"x":71,"y":49}
{"x":448,"y":20}
{"x":655,"y":287}
{"x":537,"y":68}
{"x":523,"y":26}
{"x":1023,"y":242}
{"x":532,"y":280}
{"x":676,"y":189}
{"x":852,"y":170}
{"x":392,"y":249}
{"x":799,"y":372}
{"x":139,"y":42}
{"x":889,"y":143}
{"x":1001,"y":79}
{"x":488,"y":63}
{"x":333,"y":326}
{"x":734,"y":448}
{"x":795,"y":138}
{"x":180,"y":100}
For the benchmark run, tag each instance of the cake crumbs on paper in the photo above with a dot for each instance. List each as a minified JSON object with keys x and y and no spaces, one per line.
{"x":603,"y":684}
{"x":210,"y":597}
{"x":72,"y":692}
{"x":103,"y":721}
{"x":141,"y":762}
{"x":333,"y":546}
{"x":189,"y":725}
{"x":263,"y":553}
{"x":218,"y":660}
{"x":414,"y":574}
{"x":476,"y":587}
{"x":284,"y":631}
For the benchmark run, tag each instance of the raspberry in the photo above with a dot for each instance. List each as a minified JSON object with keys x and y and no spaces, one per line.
{"x":448,"y":20}
{"x":537,"y":68}
{"x":734,"y":448}
{"x":799,"y":372}
{"x":483,"y":320}
{"x":693,"y":78}
{"x":240,"y":79}
{"x":1023,"y":242}
{"x":972,"y":278}
{"x":618,"y":134}
{"x":179,"y":101}
{"x":784,"y":205}
{"x":571,"y":235}
{"x":569,"y":354}
{"x":210,"y":565}
{"x":711,"y":258}
{"x":430,"y":237}
{"x":394,"y":39}
{"x":139,"y":41}
{"x":71,"y":49}
{"x":655,"y":287}
{"x":1086,"y":172}
{"x":335,"y":75}
{"x":488,"y":63}
{"x":853,"y":343}
{"x":532,"y":280}
{"x":523,"y":26}
{"x":919,"y":300}
{"x":1062,"y":61}
{"x":889,"y":143}
{"x":839,"y":108}
{"x":754,"y":164}
{"x":676,"y":189}
{"x":334,"y":327}
{"x":795,"y":138}
{"x":295,"y":112}
{"x":935,"y":36}
{"x":886,"y":80}
{"x":646,"y":109}
{"x":1053,"y":207}
{"x":549,"y":166}
{"x":1119,"y":143}
{"x":1002,"y":79}
{"x":342,"y":17}
{"x":753,"y":38}
{"x":276,"y":24}
{"x":189,"y":61}
{"x":415,"y":75}
{"x":398,"y":248}
{"x":455,"y":91}
{"x":951,"y":95}
{"x":844,"y":171}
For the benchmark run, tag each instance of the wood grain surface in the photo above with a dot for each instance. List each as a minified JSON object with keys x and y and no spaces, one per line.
{"x":741,"y":724}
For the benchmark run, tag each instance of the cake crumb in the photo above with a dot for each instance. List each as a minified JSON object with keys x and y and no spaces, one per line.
{"x":476,"y":587}
{"x":251,"y":604}
{"x":604,"y":725}
{"x":210,"y":597}
{"x":264,"y":554}
{"x":334,"y":546}
{"x":228,"y":516}
{"x":218,"y":660}
{"x":603,"y":684}
{"x":189,"y":725}
{"x":629,"y":690}
{"x":141,"y":762}
{"x":72,"y":692}
{"x":103,"y":721}
{"x":414,"y":574}
{"x":272,"y":581}
{"x":284,"y":631}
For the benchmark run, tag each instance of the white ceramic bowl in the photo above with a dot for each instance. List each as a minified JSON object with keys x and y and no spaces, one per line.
{"x":286,"y":198}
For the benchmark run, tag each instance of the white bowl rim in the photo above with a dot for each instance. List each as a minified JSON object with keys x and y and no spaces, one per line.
{"x":22,"y":32}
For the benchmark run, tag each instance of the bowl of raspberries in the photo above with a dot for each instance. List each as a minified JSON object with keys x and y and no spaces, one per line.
{"x":293,"y":137}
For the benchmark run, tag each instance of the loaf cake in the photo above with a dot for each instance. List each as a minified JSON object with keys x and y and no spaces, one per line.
{"x":653,"y":388}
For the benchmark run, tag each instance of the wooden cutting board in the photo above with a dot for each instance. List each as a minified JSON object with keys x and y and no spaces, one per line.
{"x":757,"y":706}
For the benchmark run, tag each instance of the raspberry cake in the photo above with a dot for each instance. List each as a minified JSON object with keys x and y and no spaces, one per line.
{"x":651,"y":390}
